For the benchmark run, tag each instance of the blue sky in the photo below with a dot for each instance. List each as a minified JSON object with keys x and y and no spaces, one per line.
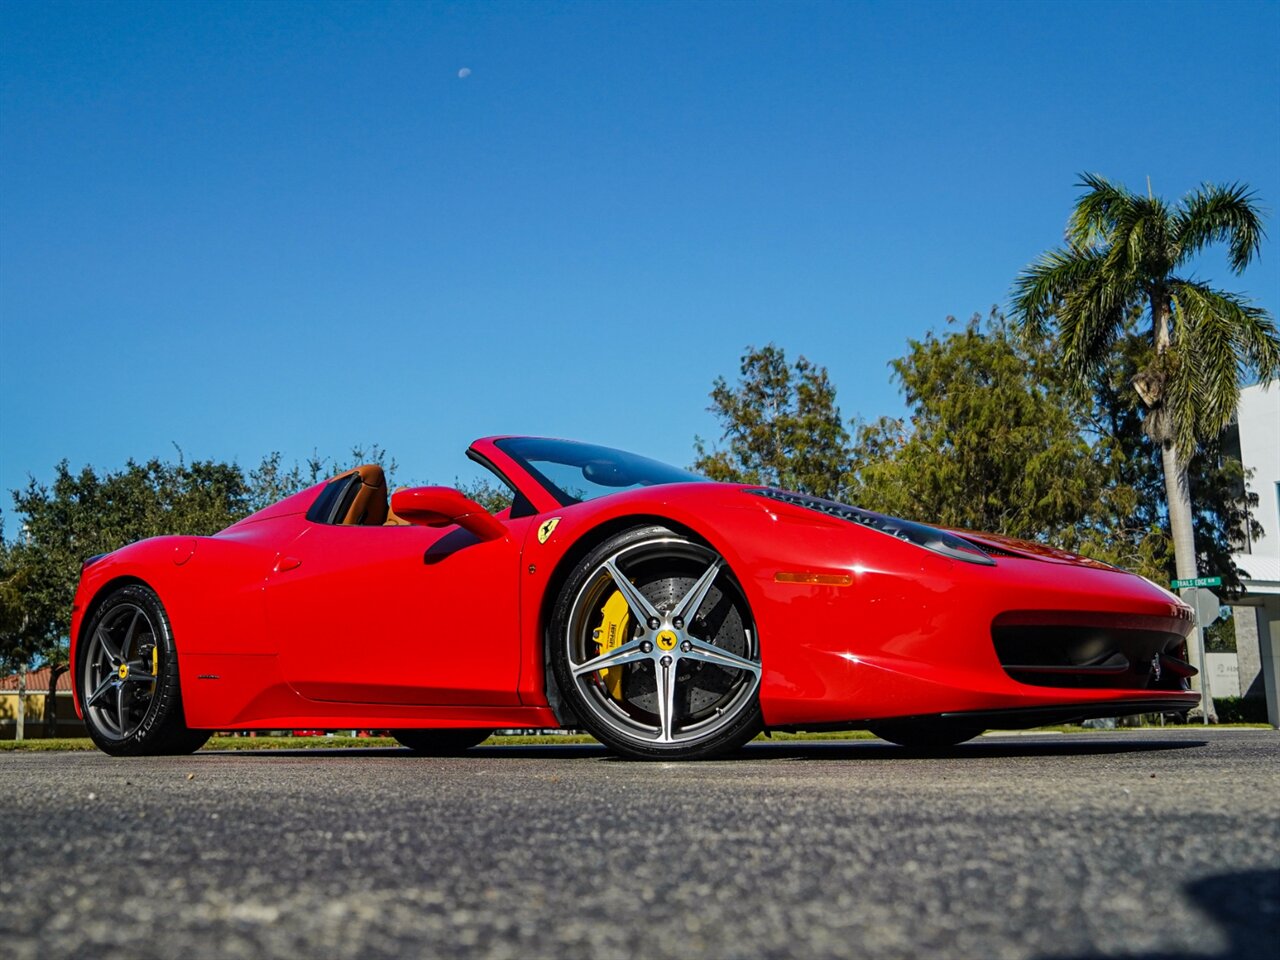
{"x":252,"y":227}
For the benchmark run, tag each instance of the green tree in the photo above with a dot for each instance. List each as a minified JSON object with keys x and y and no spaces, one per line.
{"x":85,"y":513}
{"x":780,"y":424}
{"x":82,"y":514}
{"x":992,"y":442}
{"x":1124,"y":253}
{"x":20,"y":641}
{"x":271,"y":480}
{"x":490,"y":494}
{"x":1135,"y":530}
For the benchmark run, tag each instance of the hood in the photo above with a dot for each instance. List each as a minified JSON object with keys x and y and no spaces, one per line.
{"x":997,"y":545}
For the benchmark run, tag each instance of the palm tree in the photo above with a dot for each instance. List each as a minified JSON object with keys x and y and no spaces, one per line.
{"x":1124,"y":255}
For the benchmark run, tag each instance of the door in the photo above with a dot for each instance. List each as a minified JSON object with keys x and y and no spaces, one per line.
{"x":399,"y":614}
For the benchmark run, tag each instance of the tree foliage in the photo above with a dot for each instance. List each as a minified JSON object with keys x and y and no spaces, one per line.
{"x":780,"y":426}
{"x":992,"y":441}
{"x":1134,"y":532}
{"x":999,"y":437}
{"x":1126,"y":253}
{"x":87,"y":512}
{"x":271,"y":480}
{"x":494,"y":497}
{"x":84,"y":513}
{"x":20,"y":638}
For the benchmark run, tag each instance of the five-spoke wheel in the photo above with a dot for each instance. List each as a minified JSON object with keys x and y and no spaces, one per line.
{"x":655,"y":650}
{"x":128,"y":678}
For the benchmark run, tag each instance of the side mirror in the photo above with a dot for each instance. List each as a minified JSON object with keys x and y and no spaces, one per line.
{"x":442,"y":506}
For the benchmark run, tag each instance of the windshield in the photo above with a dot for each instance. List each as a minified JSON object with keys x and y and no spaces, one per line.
{"x":573,"y":472}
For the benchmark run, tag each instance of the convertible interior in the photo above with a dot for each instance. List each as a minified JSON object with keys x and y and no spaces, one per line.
{"x":356,"y":498}
{"x":359,"y":498}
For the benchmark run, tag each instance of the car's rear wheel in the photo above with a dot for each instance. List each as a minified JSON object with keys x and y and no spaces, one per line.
{"x":654,"y":648}
{"x":926,"y":734}
{"x":128,"y":678}
{"x":440,"y":743}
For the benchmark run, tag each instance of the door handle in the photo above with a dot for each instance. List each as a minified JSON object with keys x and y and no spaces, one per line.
{"x":287,"y":563}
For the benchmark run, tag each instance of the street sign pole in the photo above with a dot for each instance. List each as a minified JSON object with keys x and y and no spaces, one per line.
{"x":1206,"y":698}
{"x":1205,"y":602}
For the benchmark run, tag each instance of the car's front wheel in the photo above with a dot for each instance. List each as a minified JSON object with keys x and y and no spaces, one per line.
{"x":128,"y":678}
{"x":654,"y":648}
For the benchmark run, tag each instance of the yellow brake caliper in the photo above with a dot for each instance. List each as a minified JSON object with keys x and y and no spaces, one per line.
{"x":155,"y":666}
{"x":615,"y":625}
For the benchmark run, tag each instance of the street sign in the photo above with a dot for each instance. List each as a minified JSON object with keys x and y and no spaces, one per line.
{"x":1207,"y":607}
{"x":1197,"y":582}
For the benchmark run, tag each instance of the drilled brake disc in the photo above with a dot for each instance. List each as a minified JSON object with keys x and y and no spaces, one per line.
{"x":700,"y":686}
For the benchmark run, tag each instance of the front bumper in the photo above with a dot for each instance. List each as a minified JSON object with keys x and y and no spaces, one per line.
{"x":1047,"y":642}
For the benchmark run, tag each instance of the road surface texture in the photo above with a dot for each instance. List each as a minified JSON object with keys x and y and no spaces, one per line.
{"x":1156,"y":844}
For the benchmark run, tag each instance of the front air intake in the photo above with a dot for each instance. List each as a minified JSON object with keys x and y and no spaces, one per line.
{"x":1099,"y":655}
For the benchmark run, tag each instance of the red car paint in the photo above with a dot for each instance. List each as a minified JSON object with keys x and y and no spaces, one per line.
{"x":283,"y":623}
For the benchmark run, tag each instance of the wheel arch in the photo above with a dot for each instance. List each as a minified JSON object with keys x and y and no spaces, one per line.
{"x":588,"y":541}
{"x":100,"y":594}
{"x":104,"y":589}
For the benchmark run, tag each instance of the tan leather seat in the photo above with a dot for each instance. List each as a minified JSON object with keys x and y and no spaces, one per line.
{"x":393,"y":520}
{"x":369,"y":508}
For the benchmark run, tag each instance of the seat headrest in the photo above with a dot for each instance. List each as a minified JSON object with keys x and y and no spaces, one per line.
{"x":392,"y":519}
{"x":369,"y":508}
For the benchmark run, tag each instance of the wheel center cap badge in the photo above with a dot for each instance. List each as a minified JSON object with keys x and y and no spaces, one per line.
{"x":123,"y":671}
{"x":666,"y":640}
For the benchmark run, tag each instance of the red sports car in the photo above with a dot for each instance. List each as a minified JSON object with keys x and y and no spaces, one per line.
{"x":668,"y":616}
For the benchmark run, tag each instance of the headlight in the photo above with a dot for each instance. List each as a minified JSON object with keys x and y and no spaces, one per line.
{"x":922,"y":535}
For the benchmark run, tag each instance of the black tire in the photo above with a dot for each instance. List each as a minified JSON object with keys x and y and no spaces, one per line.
{"x":684,"y":691}
{"x":126,"y":641}
{"x":926,"y":734}
{"x":445,"y":742}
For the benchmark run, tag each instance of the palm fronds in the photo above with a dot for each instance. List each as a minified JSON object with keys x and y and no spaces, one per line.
{"x":1121,"y":252}
{"x":1221,"y":339}
{"x":1091,"y":315}
{"x":1041,"y":288}
{"x":1220,"y":214}
{"x":1097,"y":211}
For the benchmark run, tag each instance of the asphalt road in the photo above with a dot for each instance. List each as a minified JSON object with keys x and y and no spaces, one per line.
{"x":1152,"y":844}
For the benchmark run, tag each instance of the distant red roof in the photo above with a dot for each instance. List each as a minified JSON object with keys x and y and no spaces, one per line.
{"x":37,"y":682}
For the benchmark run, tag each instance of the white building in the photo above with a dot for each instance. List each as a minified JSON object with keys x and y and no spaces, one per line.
{"x":1257,"y":613}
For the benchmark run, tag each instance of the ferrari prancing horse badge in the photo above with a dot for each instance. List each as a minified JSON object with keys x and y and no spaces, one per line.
{"x":547,"y":529}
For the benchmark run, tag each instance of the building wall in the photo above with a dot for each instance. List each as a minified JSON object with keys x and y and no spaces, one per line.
{"x":1250,"y":622}
{"x":1259,"y":419}
{"x":1224,"y":674}
{"x":69,"y":725}
{"x":1257,"y":614}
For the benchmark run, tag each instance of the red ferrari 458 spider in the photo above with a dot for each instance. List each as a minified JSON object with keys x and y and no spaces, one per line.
{"x":668,"y":616}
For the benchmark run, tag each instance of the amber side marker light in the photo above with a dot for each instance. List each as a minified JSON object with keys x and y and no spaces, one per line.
{"x":826,"y":579}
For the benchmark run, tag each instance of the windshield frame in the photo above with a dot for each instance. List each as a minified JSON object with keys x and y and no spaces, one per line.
{"x":664,"y":474}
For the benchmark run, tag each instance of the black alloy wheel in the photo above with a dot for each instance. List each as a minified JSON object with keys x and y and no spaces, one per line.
{"x":127,"y":673}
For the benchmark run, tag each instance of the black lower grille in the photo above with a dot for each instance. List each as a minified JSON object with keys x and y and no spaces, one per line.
{"x":1091,"y":655}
